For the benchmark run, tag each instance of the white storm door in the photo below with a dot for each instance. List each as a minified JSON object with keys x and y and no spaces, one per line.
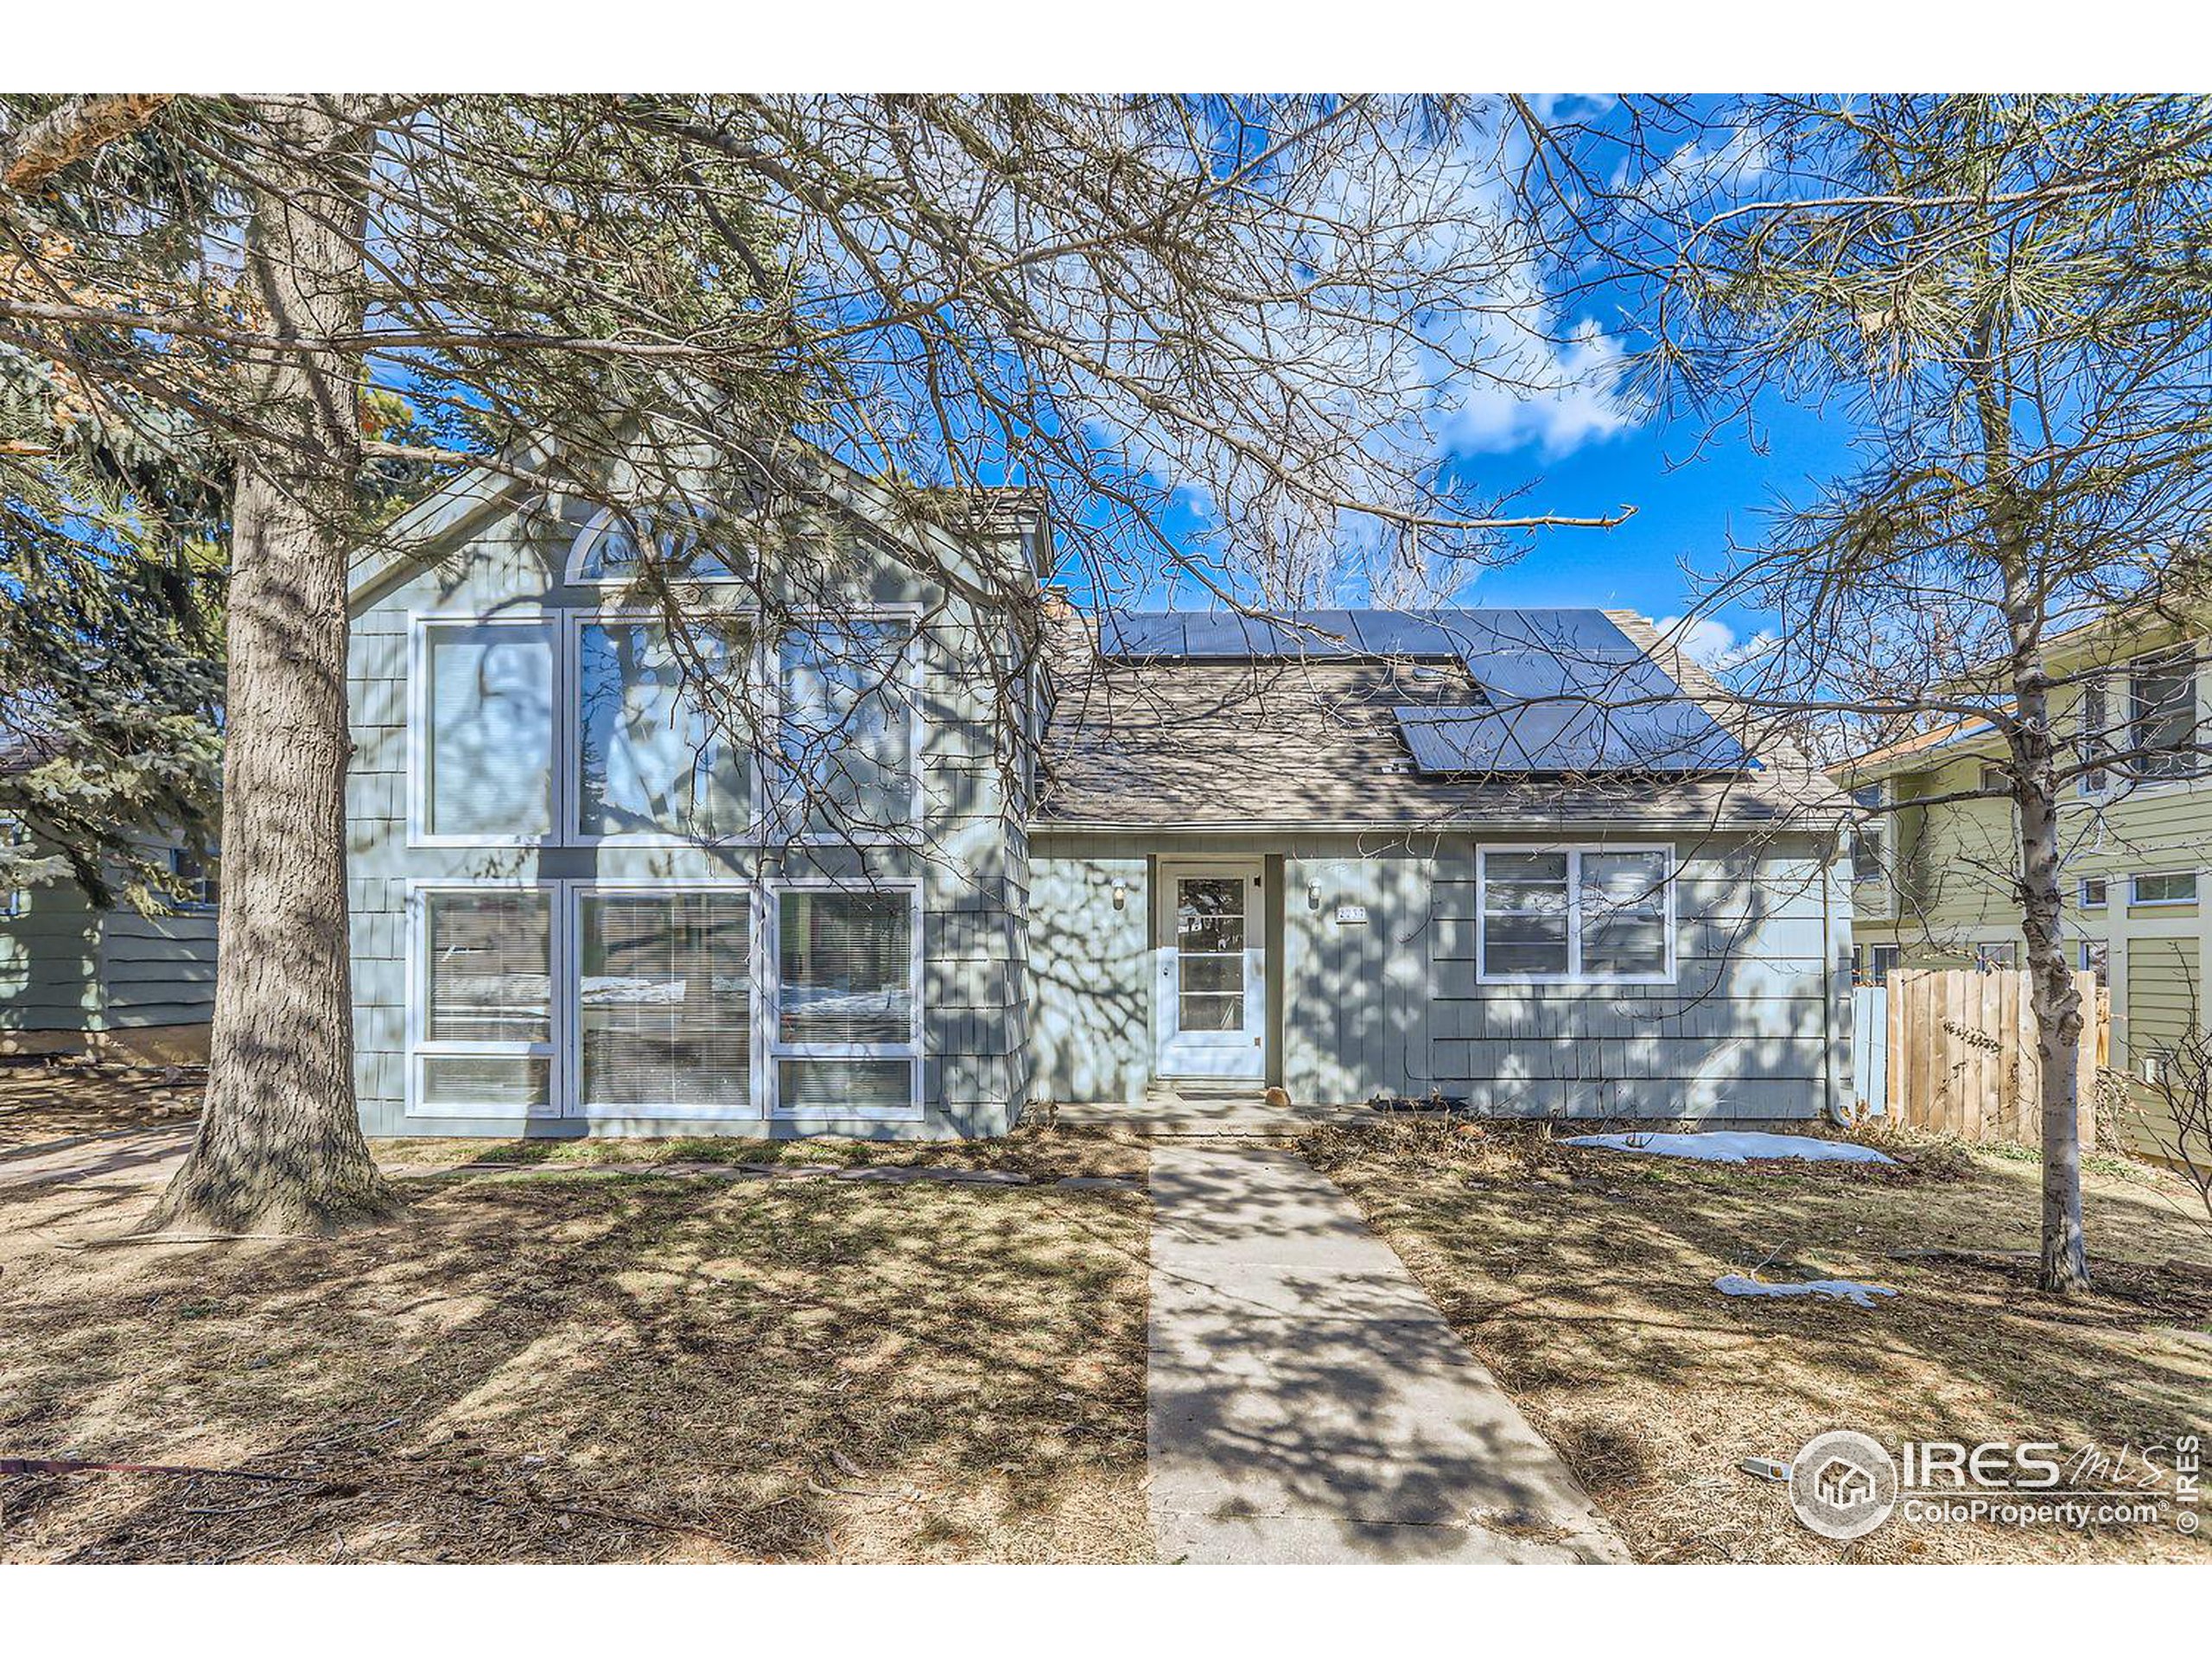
{"x":1211,"y":1005}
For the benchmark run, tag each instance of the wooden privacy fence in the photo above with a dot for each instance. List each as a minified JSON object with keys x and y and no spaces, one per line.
{"x":1957,"y":1052}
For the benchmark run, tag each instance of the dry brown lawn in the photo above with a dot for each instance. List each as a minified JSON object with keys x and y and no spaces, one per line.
{"x":555,"y":1367}
{"x":1585,"y":1279}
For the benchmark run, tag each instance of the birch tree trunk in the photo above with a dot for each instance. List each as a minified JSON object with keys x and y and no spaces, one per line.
{"x":280,"y":1146}
{"x":2052,"y":993}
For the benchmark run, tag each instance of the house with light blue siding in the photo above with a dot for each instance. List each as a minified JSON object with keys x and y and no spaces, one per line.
{"x":108,"y":982}
{"x":876,"y":834}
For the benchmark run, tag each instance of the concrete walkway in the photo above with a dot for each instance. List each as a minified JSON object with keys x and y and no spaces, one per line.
{"x":1309,"y":1403}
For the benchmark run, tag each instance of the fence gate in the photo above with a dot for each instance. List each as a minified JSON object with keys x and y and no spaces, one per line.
{"x":1957,"y":1052}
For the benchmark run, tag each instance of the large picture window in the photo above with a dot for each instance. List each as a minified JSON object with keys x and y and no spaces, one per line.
{"x":663,"y":747}
{"x":655,"y":1001}
{"x":847,"y":1041}
{"x":848,"y":727}
{"x":1572,"y":915}
{"x":664,"y":1018}
{"x":486,"y":709}
{"x":485,"y":1043}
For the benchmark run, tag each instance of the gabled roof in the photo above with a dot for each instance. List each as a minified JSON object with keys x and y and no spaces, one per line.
{"x":1359,"y":719}
{"x":461,"y":505}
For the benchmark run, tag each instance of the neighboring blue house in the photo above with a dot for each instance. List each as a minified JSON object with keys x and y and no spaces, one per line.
{"x":1506,"y":856}
{"x":111,"y":983}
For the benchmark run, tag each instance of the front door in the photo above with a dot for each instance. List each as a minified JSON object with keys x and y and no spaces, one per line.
{"x":1212,"y":1004}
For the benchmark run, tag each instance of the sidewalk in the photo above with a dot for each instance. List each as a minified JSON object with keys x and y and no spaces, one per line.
{"x":1308,"y":1402}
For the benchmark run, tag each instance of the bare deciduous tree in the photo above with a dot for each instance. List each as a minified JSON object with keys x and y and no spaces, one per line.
{"x":2005,"y":297}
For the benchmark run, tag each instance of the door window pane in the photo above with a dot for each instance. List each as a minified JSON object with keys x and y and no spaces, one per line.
{"x":847,"y":728}
{"x":666,"y":999}
{"x":845,"y":968}
{"x":1208,"y":1012}
{"x":490,"y":968}
{"x":1209,"y":913}
{"x":1212,"y":973}
{"x":664,"y":729}
{"x":489,"y":770}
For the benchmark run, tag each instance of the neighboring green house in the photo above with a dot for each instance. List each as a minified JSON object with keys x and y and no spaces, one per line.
{"x":1933,"y":884}
{"x":111,"y":983}
{"x":1506,"y":856}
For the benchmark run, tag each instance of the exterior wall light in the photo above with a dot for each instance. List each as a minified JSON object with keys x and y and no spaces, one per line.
{"x":1121,"y":895}
{"x":1313,"y":895}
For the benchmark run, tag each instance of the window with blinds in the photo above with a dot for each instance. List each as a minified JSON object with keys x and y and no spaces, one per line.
{"x":663,"y":729}
{"x":846,"y":729}
{"x":487,"y":700}
{"x":486,"y":1042}
{"x":845,"y":1037}
{"x":1576,"y":915}
{"x":665,"y":1001}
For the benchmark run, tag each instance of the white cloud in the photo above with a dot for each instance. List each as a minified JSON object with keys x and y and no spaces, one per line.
{"x":1709,"y":640}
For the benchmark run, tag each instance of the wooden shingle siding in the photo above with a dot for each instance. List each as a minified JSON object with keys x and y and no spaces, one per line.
{"x":972,"y":869}
{"x":1756,"y":1024}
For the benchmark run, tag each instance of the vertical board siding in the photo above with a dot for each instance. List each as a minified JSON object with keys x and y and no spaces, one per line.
{"x":1962,"y":1055}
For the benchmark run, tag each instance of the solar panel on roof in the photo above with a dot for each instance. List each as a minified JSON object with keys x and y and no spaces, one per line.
{"x":1569,"y":737}
{"x":1566,"y":689}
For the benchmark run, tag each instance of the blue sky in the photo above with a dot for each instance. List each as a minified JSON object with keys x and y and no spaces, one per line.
{"x":1689,"y":500}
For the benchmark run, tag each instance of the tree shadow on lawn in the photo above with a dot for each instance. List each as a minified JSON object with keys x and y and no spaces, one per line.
{"x":543,"y":1369}
{"x":1585,"y":1279}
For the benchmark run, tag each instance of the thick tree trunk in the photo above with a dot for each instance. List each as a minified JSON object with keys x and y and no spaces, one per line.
{"x":2056,"y":1003}
{"x":280,"y":1146}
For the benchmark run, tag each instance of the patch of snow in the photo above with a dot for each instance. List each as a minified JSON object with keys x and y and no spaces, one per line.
{"x":1839,"y":1290}
{"x":1734,"y":1146}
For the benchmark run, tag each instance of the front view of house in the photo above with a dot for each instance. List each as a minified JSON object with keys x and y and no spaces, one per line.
{"x":915,"y":877}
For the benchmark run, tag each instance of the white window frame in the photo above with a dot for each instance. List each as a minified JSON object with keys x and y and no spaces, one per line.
{"x":779,"y":1051}
{"x":1986,"y":958}
{"x":1882,"y":961}
{"x":419,"y":1048}
{"x":2135,"y":899}
{"x":570,"y":991}
{"x":1575,"y":851}
{"x":910,"y":684}
{"x":2082,"y":901}
{"x":568,"y":719}
{"x":419,"y":625}
{"x":572,"y":567}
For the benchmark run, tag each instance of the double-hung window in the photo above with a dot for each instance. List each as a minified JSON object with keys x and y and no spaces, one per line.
{"x":847,"y":730}
{"x":487,"y":1039}
{"x":1576,"y":915}
{"x":846,"y":1040}
{"x":663,"y":737}
{"x":483,"y":721}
